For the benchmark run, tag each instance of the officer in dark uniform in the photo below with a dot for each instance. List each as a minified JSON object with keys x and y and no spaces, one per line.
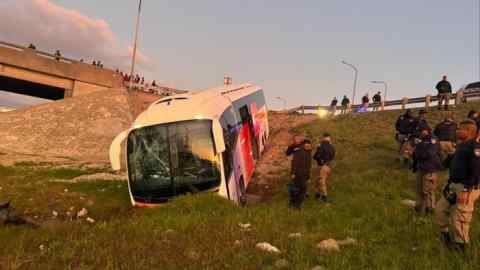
{"x":426,"y":163}
{"x":297,"y":143}
{"x":300,"y":174}
{"x":446,"y":133}
{"x":324,"y":156}
{"x":405,"y":127}
{"x":455,"y":208}
{"x":421,"y":123}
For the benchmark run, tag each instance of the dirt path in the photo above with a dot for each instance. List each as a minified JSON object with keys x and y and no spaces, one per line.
{"x":268,"y":174}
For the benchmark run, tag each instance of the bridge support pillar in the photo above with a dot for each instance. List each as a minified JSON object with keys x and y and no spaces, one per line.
{"x":68,"y":93}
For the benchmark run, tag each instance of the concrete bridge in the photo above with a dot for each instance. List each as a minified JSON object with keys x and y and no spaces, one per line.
{"x":35,"y":73}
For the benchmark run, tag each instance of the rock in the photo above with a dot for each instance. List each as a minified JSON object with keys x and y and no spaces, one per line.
{"x":55,"y":213}
{"x":267,"y":247}
{"x":295,"y":235}
{"x":65,"y":190}
{"x":282,"y":263}
{"x":82,"y":213}
{"x":244,"y":226}
{"x":237,"y":242}
{"x":347,"y":242}
{"x":318,"y":267}
{"x":169,"y":231}
{"x":41,"y":247}
{"x":409,"y":203}
{"x":329,"y":245}
{"x":90,"y":220}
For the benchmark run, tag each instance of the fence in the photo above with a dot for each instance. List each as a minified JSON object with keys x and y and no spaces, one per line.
{"x":156,"y":90}
{"x":459,"y":97}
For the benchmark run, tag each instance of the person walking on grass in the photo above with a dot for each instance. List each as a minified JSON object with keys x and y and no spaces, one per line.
{"x":446,"y":133}
{"x":345,"y":104}
{"x":426,"y":164}
{"x":297,"y":143}
{"x":455,"y":208}
{"x":444,"y":89}
{"x":324,"y":155}
{"x":300,"y":174}
{"x":405,"y":127}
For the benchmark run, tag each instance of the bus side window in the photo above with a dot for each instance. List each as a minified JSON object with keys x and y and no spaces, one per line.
{"x":227,"y":154}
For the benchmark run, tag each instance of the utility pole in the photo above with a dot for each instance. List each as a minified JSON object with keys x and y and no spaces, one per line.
{"x":354,"y":81}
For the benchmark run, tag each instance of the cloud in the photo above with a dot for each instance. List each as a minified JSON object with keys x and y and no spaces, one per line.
{"x":51,"y":27}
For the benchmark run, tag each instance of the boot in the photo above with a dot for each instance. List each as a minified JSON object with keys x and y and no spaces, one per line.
{"x":445,"y":238}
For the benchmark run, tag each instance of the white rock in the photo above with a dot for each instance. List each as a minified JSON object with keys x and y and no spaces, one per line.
{"x":267,"y":247}
{"x":282,"y":263}
{"x":169,"y":231}
{"x":295,"y":235}
{"x":55,"y":213}
{"x":237,"y":242}
{"x":244,"y":226}
{"x":90,"y":220}
{"x":41,"y":247}
{"x":409,"y":203}
{"x":318,"y":267}
{"x":82,"y":213}
{"x":328,"y":245}
{"x":346,"y":242}
{"x":65,"y":190}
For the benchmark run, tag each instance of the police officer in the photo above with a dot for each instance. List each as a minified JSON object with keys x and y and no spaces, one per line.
{"x":297,"y":142}
{"x":444,"y":89}
{"x":405,"y":127}
{"x":421,"y":123}
{"x":300,"y":174}
{"x":426,"y":163}
{"x":324,"y":156}
{"x":446,"y":133}
{"x":455,"y":208}
{"x":345,"y":104}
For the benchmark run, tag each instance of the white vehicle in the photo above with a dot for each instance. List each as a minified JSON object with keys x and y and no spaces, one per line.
{"x":188,"y":143}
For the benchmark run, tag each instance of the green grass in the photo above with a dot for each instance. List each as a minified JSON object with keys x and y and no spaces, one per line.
{"x":366,"y":187}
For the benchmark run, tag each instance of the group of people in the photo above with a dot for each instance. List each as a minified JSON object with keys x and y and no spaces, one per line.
{"x":448,"y":146}
{"x":301,"y":165}
{"x":345,"y":104}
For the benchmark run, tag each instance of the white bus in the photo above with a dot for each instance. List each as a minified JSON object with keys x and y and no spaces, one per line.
{"x":195,"y":142}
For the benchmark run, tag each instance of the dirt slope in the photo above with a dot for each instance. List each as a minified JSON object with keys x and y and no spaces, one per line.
{"x":75,"y":129}
{"x":273,"y":161}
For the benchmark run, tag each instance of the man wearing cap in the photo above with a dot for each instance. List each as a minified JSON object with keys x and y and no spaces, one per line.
{"x":426,"y":163}
{"x":405,"y":127}
{"x":300,"y":174}
{"x":444,"y":89}
{"x":455,"y":208}
{"x":324,"y":156}
{"x":421,"y":123}
{"x":446,"y":133}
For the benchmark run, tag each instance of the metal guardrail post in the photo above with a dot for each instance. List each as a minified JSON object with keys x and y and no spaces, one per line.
{"x":428,"y":101}
{"x":404,"y":103}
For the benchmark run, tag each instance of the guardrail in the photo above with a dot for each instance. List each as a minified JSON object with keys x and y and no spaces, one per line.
{"x":39,"y":53}
{"x":156,"y":90}
{"x":459,"y":97}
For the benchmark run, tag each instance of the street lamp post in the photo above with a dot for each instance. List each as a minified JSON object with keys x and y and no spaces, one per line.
{"x":284,"y":102}
{"x":355,"y":80}
{"x":134,"y":53}
{"x":384,"y":90}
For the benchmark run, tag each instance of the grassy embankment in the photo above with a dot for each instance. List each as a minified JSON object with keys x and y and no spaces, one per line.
{"x":202,"y":232}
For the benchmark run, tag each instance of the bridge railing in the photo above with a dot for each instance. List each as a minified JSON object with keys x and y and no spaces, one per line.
{"x":39,"y":53}
{"x":458,"y":98}
{"x":156,"y":90}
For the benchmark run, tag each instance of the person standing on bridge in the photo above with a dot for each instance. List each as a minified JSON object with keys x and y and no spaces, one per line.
{"x":455,"y":208}
{"x":345,"y":104}
{"x":444,"y":89}
{"x":300,"y":174}
{"x":377,"y":101}
{"x":333,"y":105}
{"x":324,"y":156}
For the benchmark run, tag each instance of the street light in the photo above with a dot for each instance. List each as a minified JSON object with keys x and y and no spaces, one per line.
{"x":134,"y":53}
{"x":284,"y":102}
{"x":384,"y":90}
{"x":355,"y":80}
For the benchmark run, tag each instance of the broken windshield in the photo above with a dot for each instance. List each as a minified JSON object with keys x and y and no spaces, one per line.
{"x":169,"y":159}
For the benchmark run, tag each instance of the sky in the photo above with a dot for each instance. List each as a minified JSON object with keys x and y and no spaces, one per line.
{"x":293,"y":49}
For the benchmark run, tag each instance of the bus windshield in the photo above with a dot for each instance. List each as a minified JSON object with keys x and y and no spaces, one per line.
{"x":170,"y":159}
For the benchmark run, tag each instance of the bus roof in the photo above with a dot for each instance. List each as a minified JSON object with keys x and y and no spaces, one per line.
{"x":207,"y":104}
